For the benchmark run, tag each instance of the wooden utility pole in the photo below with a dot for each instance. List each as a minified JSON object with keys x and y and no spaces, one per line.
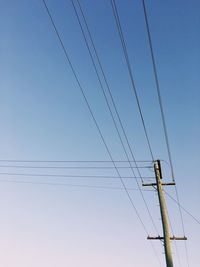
{"x":166,"y":235}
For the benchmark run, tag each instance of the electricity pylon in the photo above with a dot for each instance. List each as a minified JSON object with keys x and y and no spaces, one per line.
{"x":166,"y":235}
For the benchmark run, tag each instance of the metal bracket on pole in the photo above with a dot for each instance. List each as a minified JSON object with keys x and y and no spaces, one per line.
{"x":161,"y":238}
{"x":155,"y":184}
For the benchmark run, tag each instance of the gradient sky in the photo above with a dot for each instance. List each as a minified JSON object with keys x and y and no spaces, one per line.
{"x":44,"y":117}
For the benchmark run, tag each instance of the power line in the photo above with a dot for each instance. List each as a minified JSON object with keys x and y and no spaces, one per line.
{"x":71,"y":167}
{"x":91,"y":113}
{"x":70,"y":175}
{"x":69,"y":185}
{"x":184,"y":209}
{"x":84,"y":96}
{"x":111,"y":96}
{"x":135,"y":92}
{"x":98,"y":76}
{"x":105,"y":80}
{"x":117,"y":19}
{"x":182,"y":222}
{"x":163,"y":116}
{"x":123,"y":43}
{"x":72,"y":161}
{"x":158,"y":86}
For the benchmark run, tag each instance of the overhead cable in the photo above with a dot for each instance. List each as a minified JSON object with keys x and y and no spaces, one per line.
{"x":71,"y":161}
{"x":126,"y":56}
{"x":91,"y":113}
{"x":112,"y":99}
{"x":71,"y":175}
{"x":163,"y":116}
{"x":184,"y":209}
{"x":71,"y":167}
{"x":69,"y":185}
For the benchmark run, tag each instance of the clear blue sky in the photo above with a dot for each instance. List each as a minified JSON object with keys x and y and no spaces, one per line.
{"x":44,"y":117}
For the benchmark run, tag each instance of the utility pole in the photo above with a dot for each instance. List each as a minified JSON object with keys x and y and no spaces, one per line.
{"x":166,"y":235}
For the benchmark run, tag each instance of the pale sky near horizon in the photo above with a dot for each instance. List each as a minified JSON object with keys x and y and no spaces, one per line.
{"x":44,"y":117}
